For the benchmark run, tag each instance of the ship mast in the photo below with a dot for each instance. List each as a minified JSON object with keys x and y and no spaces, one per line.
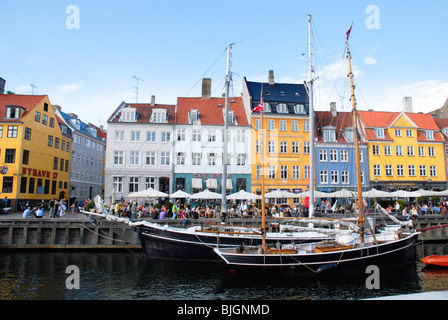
{"x":361,"y":218}
{"x":263,"y":209}
{"x":311,"y":117}
{"x":226,"y":127}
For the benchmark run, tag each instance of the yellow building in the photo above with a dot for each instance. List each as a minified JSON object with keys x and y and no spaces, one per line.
{"x":285,"y":144}
{"x":35,"y":153}
{"x":406,"y":150}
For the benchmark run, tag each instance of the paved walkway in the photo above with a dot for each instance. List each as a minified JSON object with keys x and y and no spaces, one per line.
{"x":46,"y":215}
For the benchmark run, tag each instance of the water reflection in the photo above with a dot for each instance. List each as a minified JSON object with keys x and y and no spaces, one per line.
{"x":123,"y":275}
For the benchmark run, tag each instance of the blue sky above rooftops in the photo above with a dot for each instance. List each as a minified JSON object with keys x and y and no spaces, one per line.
{"x":399,"y":49}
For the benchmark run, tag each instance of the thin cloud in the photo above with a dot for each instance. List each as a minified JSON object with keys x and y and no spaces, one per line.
{"x":71,"y":87}
{"x":370,"y":61}
{"x":426,"y":96}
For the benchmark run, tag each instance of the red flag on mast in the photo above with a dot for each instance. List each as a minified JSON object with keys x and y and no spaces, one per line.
{"x":258,"y":108}
{"x":349,"y":30}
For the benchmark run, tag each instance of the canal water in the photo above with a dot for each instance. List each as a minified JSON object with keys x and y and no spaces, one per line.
{"x":126,"y":275}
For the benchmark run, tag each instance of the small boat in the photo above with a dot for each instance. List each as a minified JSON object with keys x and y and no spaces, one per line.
{"x":436,"y":260}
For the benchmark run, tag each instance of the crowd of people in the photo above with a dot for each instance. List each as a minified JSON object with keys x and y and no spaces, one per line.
{"x":56,"y":209}
{"x":177,"y":210}
{"x":245,"y":209}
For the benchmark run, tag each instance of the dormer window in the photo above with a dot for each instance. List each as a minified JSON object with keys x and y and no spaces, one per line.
{"x":329,"y":134}
{"x":76,"y":123}
{"x":379,"y":132}
{"x":282,"y":108}
{"x":445,"y":131}
{"x":193,"y":117}
{"x":64,"y":129}
{"x":266,"y":107}
{"x":159,"y":116}
{"x":348,"y":134}
{"x":128,"y":115}
{"x":429,"y":135}
{"x":92,"y":131}
{"x":12,"y":112}
{"x":231,"y":117}
{"x":299,"y":109}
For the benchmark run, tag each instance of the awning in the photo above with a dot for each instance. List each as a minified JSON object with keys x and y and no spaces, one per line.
{"x":229,"y":184}
{"x":196,"y":183}
{"x":212,"y":184}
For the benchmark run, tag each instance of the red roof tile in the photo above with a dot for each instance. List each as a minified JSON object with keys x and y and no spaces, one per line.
{"x":377,"y":119}
{"x":423,"y":121}
{"x":26,"y":101}
{"x":324,"y":119}
{"x":371,"y":135}
{"x":145,"y":111}
{"x":210,"y":110}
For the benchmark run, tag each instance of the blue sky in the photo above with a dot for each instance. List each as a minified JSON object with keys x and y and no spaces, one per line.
{"x":172,"y":44}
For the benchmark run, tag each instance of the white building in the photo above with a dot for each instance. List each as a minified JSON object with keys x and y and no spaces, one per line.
{"x":139,"y":149}
{"x":198,"y":144}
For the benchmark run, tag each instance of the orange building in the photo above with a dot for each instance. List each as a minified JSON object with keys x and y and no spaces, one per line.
{"x":35,"y":150}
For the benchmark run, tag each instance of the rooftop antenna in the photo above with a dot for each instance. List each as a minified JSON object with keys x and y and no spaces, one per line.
{"x":32,"y":88}
{"x":136,"y":98}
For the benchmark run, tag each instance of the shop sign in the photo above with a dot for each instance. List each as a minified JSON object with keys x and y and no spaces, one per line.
{"x":209,"y":175}
{"x":39,"y":173}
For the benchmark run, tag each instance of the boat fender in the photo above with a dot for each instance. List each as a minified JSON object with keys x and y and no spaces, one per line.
{"x":326,"y":267}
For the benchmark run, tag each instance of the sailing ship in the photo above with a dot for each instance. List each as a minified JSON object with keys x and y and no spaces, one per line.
{"x":345,"y":254}
{"x":197,"y":242}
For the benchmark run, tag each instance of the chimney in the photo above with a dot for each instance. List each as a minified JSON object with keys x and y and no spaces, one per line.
{"x":153,"y":101}
{"x":271,"y":77}
{"x":2,"y":85}
{"x":333,"y":111}
{"x":206,"y":88}
{"x":407,"y":104}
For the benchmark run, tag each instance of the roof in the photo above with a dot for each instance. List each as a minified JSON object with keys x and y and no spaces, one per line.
{"x":83,"y":127}
{"x":144,"y":111}
{"x":29,"y":102}
{"x":61,"y":122}
{"x":278,"y":92}
{"x":441,"y":123}
{"x":377,"y":119}
{"x":341,"y":121}
{"x":210,"y":110}
{"x":99,"y":132}
{"x":383,"y":119}
{"x":423,"y":121}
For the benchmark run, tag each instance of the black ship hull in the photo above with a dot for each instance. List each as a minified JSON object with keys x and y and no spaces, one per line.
{"x":385,"y":256}
{"x":183,"y":244}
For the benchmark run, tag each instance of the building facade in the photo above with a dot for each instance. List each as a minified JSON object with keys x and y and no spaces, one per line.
{"x":335,"y":152}
{"x":139,"y":152}
{"x":199,"y":144}
{"x":406,"y":150}
{"x":88,"y":154}
{"x":280,"y":144}
{"x":35,"y":150}
{"x":443,"y":126}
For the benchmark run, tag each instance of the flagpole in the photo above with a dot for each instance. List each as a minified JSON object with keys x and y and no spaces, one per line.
{"x":311,"y":117}
{"x":263,"y":210}
{"x":226,"y":126}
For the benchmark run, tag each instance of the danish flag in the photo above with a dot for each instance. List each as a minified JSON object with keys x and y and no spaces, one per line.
{"x":258,"y":108}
